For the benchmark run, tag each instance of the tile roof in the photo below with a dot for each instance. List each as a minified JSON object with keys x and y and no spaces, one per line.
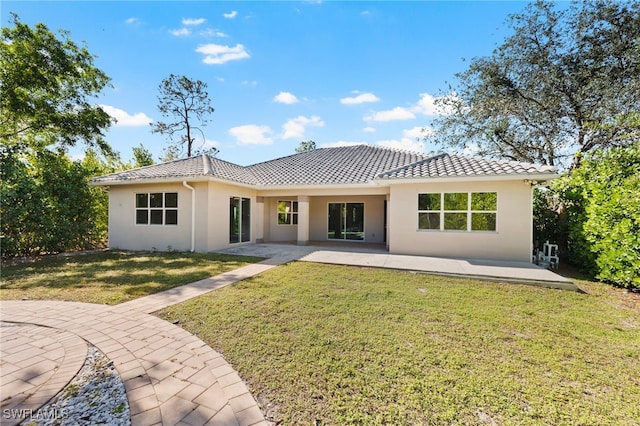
{"x":445,"y":165}
{"x":359,"y":164}
{"x":340,"y":165}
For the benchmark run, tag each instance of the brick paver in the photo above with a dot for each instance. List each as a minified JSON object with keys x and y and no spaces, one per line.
{"x":35,"y":364}
{"x":170,"y":376}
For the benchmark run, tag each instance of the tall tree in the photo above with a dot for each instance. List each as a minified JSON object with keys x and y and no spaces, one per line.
{"x":46,"y":86}
{"x":186,"y":105}
{"x":306,"y":146}
{"x":566,"y":82}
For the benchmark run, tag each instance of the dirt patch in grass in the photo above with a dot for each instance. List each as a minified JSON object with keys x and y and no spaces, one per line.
{"x":325,"y":344}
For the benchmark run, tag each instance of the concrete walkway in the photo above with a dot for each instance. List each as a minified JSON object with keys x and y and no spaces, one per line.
{"x":171,"y":377}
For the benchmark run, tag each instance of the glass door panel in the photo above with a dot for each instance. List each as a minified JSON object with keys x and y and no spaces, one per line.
{"x":234,"y":220}
{"x":239,"y":220}
{"x":336,"y":221}
{"x":346,"y":221}
{"x":354,"y":221}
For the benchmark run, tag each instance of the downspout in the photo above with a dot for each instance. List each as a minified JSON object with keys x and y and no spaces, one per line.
{"x":193,"y":214}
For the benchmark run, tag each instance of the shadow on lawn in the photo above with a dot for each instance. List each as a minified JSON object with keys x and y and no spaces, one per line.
{"x":138,"y":272}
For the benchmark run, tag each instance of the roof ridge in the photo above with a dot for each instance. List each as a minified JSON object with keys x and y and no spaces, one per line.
{"x":424,"y":160}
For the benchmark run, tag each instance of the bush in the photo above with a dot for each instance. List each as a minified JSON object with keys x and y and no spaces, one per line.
{"x":47,"y":205}
{"x":600,"y":219}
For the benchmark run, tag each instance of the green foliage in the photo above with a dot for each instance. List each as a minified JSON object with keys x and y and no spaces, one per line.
{"x":599,"y":223}
{"x":47,"y":205}
{"x":306,"y":146}
{"x":566,"y":81}
{"x":183,"y":103}
{"x":46,"y":83}
{"x":611,"y":187}
{"x":142,"y":156}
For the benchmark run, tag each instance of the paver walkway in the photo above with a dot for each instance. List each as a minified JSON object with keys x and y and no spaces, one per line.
{"x":171,"y":377}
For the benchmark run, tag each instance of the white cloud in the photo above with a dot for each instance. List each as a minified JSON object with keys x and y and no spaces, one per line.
{"x":427,"y":105}
{"x":208,"y":144}
{"x":198,"y":21}
{"x":360,"y":99}
{"x":251,"y":134}
{"x":398,"y":113}
{"x":125,"y":119}
{"x":132,"y":20}
{"x":285,"y":98}
{"x":405,"y":144}
{"x":341,"y":143}
{"x":216,"y":54}
{"x":249,"y":83}
{"x":231,"y":14}
{"x":209,"y":32}
{"x":369,"y":129}
{"x":296,"y":127}
{"x":414,"y":132}
{"x":181,"y":32}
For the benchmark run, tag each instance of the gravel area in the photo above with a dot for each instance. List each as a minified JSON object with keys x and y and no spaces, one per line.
{"x":96,"y":396}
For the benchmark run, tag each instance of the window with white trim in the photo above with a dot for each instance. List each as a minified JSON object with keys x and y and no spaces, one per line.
{"x":458,"y":211}
{"x":157,"y":208}
{"x":287,"y":212}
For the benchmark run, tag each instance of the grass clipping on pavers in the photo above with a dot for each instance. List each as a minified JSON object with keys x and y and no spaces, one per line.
{"x":324,"y":344}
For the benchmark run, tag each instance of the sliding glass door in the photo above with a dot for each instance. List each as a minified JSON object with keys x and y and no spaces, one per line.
{"x":346,"y":221}
{"x":239,"y":220}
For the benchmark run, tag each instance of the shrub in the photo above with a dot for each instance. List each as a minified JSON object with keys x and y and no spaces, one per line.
{"x":601,"y":215}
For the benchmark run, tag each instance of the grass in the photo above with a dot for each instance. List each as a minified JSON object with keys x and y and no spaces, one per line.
{"x":109,"y":277}
{"x":325,"y":344}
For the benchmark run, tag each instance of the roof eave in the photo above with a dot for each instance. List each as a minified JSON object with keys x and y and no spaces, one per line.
{"x":370,"y":184}
{"x":173,"y":179}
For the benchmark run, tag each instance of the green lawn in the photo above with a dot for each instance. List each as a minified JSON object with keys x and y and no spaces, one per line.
{"x":324,"y":344}
{"x":109,"y":277}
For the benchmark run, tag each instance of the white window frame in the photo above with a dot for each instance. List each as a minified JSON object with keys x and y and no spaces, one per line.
{"x":291,"y":215}
{"x":469,"y":212}
{"x":164,"y":209}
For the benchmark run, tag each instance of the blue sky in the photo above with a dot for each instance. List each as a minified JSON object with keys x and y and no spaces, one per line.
{"x":282,"y":72}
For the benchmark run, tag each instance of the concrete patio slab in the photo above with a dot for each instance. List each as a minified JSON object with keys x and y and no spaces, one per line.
{"x":375,"y":256}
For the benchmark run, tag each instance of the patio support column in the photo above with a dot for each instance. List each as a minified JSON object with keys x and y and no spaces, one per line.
{"x":303,"y":220}
{"x":388,"y":218}
{"x":259,"y":221}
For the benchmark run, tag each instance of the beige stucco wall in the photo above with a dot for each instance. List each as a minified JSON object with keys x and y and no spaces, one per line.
{"x":125,"y":234}
{"x":211,"y":218}
{"x":511,"y":241}
{"x":216,"y":211}
{"x":273,"y":231}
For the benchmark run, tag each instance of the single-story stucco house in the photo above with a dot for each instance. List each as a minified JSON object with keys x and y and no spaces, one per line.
{"x":443,"y":205}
